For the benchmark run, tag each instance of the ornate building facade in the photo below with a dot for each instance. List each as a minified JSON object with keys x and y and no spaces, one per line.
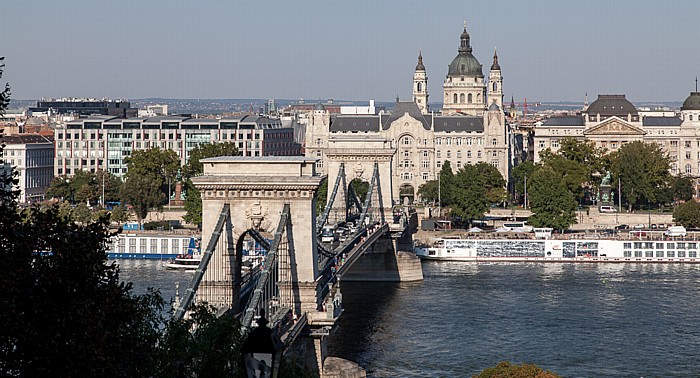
{"x":470,"y":129}
{"x":612,"y":121}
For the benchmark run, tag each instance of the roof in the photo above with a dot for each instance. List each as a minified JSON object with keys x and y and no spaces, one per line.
{"x":457,"y":123}
{"x":564,"y":121}
{"x":26,"y":139}
{"x":692,"y":102}
{"x":494,"y":106}
{"x":465,"y":64}
{"x":611,"y":105}
{"x":405,"y":107}
{"x":350,"y":122}
{"x":661,"y":121}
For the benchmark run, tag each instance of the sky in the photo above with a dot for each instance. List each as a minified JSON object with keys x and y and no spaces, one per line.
{"x":345,"y":50}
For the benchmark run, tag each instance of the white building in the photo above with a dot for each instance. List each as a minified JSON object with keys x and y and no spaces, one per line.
{"x":31,"y":155}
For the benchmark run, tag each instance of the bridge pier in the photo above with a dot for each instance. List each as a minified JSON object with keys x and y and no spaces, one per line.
{"x":385,"y":262}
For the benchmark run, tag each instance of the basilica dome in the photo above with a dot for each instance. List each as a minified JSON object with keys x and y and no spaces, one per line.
{"x":692,"y":102}
{"x":465,"y":64}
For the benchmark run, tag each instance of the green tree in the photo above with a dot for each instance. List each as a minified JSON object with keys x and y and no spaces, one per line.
{"x":322,"y":197}
{"x":59,"y":188}
{"x":579,"y":163}
{"x":520,"y":173}
{"x":468,"y":194}
{"x":5,"y":94}
{"x":360,"y":187}
{"x":193,"y":199}
{"x":143,"y":192}
{"x":643,"y":169}
{"x":119,"y":214}
{"x":81,"y":213}
{"x":506,"y":369}
{"x":111,"y":183}
{"x":551,"y":202}
{"x":687,"y":214}
{"x":494,"y":183}
{"x":65,"y":311}
{"x":428,"y":191}
{"x":148,"y":173}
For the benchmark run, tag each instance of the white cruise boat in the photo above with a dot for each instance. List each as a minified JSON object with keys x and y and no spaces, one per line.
{"x":635,"y":247}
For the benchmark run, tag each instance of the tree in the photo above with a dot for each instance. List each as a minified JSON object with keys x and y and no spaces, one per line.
{"x":643,"y":169}
{"x":322,"y":197}
{"x":360,"y":187}
{"x":59,"y":188}
{"x":579,"y":163}
{"x":551,"y":202}
{"x":193,"y":199}
{"x":468,"y":194}
{"x":505,"y":369}
{"x":687,"y":214}
{"x":146,"y":185}
{"x":494,"y":183}
{"x":85,"y":186}
{"x":5,"y":94}
{"x":143,"y":192}
{"x":520,"y":173}
{"x":65,"y":311}
{"x":119,"y":214}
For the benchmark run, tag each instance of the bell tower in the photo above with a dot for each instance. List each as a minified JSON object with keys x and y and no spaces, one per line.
{"x":495,"y":94}
{"x":420,"y":85}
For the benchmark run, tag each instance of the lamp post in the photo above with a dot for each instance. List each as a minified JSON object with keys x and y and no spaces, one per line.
{"x":70,"y":191}
{"x":262,"y":350}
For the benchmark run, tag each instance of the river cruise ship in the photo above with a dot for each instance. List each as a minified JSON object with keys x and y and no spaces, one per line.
{"x":144,"y":245}
{"x":635,"y":246}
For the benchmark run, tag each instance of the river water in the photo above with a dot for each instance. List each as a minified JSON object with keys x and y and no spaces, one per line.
{"x":579,"y":320}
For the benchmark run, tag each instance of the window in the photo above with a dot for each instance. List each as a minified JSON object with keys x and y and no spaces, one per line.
{"x":461,"y":98}
{"x":459,"y":141}
{"x":455,"y":98}
{"x":469,"y":98}
{"x":425,"y":154}
{"x":494,"y":153}
{"x":469,"y":141}
{"x":541,"y":144}
{"x":687,"y":155}
{"x":459,"y":153}
{"x":438,"y":164}
{"x":494,"y":163}
{"x":459,"y":164}
{"x":555,"y":144}
{"x":674,"y":143}
{"x":469,"y":154}
{"x":406,"y":141}
{"x":495,"y":87}
{"x":688,"y":169}
{"x":425,"y":176}
{"x":425,"y":164}
{"x":494,"y":142}
{"x":406,"y":154}
{"x":478,"y":154}
{"x":438,"y":141}
{"x":448,"y":141}
{"x":688,"y":144}
{"x":449,"y":154}
{"x":438,"y":154}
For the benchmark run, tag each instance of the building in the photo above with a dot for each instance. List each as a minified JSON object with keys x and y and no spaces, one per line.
{"x":31,"y":155}
{"x":84,"y":107}
{"x":102,"y":142}
{"x":471,"y":128}
{"x":611,"y":121}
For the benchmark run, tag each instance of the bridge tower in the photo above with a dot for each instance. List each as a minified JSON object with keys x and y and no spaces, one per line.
{"x":257,"y":189}
{"x":359,"y":163}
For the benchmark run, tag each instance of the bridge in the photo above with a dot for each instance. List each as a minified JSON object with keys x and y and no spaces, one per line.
{"x":271,"y":202}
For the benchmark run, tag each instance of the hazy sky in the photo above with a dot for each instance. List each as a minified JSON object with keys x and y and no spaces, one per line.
{"x":355,"y":50}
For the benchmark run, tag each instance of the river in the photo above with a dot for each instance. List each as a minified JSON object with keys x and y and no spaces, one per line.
{"x":578,"y":320}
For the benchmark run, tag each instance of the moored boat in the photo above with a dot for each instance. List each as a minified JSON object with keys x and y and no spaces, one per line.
{"x":635,"y":247}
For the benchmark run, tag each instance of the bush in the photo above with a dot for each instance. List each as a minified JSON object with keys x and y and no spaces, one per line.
{"x":157,"y":225}
{"x":505,"y":369}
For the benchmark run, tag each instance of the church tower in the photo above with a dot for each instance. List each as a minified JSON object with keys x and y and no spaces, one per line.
{"x":464,"y":89}
{"x":420,"y":85}
{"x":495,"y":83}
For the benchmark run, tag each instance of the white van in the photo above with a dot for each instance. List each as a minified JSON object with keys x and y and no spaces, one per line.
{"x":608,"y":209}
{"x":676,"y":231}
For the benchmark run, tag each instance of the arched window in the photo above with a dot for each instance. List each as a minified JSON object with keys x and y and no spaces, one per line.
{"x":495,"y":87}
{"x":478,"y":98}
{"x":461,"y":98}
{"x":419,"y":87}
{"x":455,"y":101}
{"x":469,"y":98}
{"x":690,"y":117}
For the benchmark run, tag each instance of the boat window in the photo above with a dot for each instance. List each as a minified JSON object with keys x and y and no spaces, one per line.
{"x":670,"y":245}
{"x":681,"y":253}
{"x":659,"y":245}
{"x":670,"y":254}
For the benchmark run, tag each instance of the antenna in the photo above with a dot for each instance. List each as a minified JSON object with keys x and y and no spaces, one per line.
{"x":696,"y":83}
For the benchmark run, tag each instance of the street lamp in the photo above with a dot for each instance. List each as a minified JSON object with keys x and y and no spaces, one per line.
{"x":70,"y":191}
{"x":262,"y":350}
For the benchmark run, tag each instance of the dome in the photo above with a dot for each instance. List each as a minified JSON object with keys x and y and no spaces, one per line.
{"x":319,"y":106}
{"x":420,"y":66}
{"x":692,"y":102}
{"x":465,"y":64}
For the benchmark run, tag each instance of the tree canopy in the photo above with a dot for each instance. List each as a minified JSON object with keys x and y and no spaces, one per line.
{"x":468,"y":194}
{"x":552,"y":204}
{"x":146,"y":186}
{"x":687,"y":214}
{"x":643,"y":169}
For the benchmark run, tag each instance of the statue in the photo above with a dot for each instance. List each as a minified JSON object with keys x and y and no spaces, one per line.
{"x":605,"y":195}
{"x":606,"y":180}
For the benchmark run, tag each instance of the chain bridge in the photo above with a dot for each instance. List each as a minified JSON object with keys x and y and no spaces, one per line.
{"x":270,"y":202}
